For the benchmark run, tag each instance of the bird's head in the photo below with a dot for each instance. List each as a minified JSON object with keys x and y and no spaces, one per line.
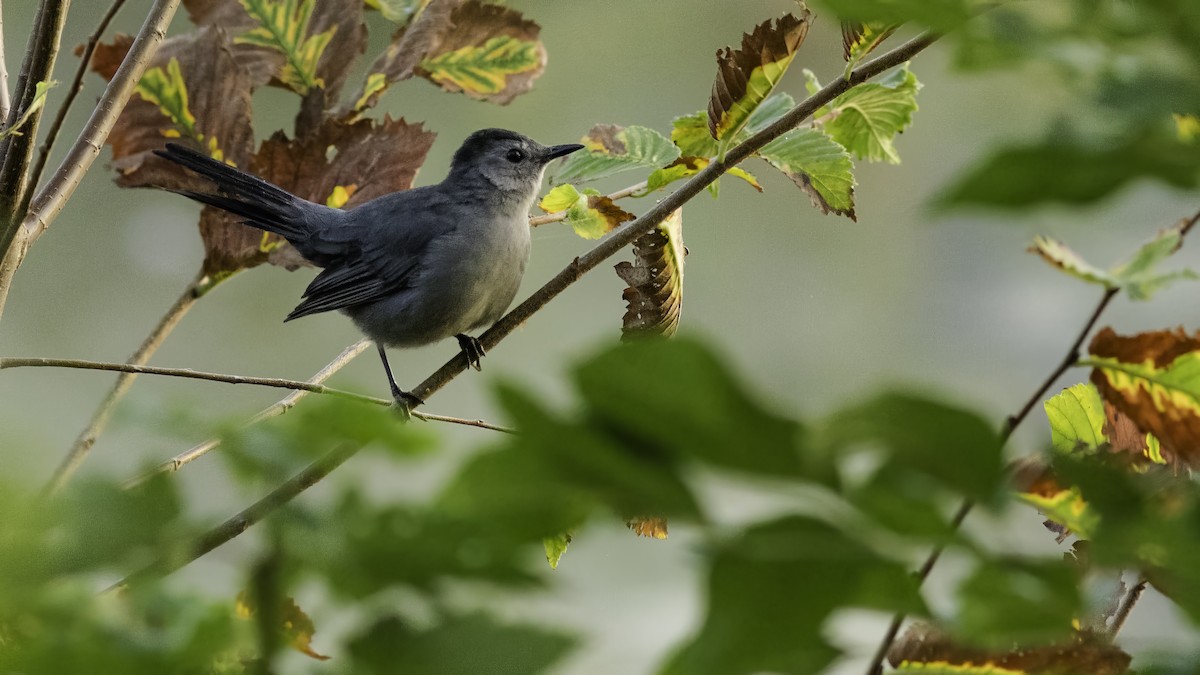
{"x":509,"y":161}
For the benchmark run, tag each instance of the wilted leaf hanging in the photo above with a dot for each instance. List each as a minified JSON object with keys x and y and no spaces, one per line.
{"x":295,"y":625}
{"x":591,"y":214}
{"x":819,"y":166}
{"x":489,"y":52}
{"x":655,"y":293}
{"x":610,"y":149}
{"x":746,"y":76}
{"x":1154,"y":379}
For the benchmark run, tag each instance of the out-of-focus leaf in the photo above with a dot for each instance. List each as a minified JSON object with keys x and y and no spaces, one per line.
{"x":654,"y":297}
{"x":296,"y":626}
{"x":1138,"y":277}
{"x":283,"y":25}
{"x":1154,"y":378}
{"x":746,"y":76}
{"x":471,"y":643}
{"x":1076,"y":418}
{"x":817,"y":165}
{"x":40,"y":89}
{"x":637,"y":388}
{"x":653,"y":527}
{"x":555,"y":547}
{"x":488,"y":52}
{"x":936,"y":14}
{"x":772,"y":565}
{"x":1007,"y":601}
{"x":610,"y":149}
{"x":1188,"y":127}
{"x":866,"y":119}
{"x":926,"y":650}
{"x":1059,"y":171}
{"x":950,"y":445}
{"x":686,"y":167}
{"x":590,"y":213}
{"x":1064,"y":506}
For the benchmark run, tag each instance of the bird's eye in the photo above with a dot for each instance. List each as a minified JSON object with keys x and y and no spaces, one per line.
{"x":515,"y":156}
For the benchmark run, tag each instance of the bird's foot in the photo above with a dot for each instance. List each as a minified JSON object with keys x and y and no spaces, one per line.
{"x":472,"y":349}
{"x":404,"y":403}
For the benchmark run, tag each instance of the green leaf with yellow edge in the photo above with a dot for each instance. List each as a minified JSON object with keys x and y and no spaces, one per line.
{"x":484,"y":69}
{"x":40,"y":90}
{"x":866,"y":119}
{"x":1076,"y":418}
{"x":1154,"y":379}
{"x":861,"y":38}
{"x":690,"y":134}
{"x":654,"y":297}
{"x":747,"y":76}
{"x":817,"y":165}
{"x":1067,"y":508}
{"x":283,"y":26}
{"x":167,"y":90}
{"x":591,"y":214}
{"x":555,"y":548}
{"x":1138,"y":277}
{"x":372,"y":87}
{"x":686,"y":167}
{"x":611,"y":149}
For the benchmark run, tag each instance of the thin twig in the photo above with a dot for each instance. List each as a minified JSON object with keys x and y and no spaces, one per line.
{"x":248,"y":517}
{"x":5,"y":100}
{"x":572,"y":273}
{"x":559,"y":216}
{"x":1010,"y":425}
{"x":85,"y":58}
{"x":1131,"y":598}
{"x":82,"y":446}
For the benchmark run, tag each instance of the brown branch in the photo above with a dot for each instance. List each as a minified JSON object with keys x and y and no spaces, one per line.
{"x":85,"y":58}
{"x":198,"y":287}
{"x":1010,"y":425}
{"x":572,"y":273}
{"x":1131,"y":598}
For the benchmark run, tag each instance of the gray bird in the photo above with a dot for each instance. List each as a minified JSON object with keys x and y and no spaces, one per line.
{"x":413,"y":267}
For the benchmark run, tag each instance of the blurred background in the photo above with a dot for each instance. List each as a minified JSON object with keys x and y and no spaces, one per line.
{"x":815,"y":311}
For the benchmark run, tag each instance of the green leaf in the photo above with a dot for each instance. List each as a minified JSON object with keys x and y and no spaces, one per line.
{"x":1137,"y":277}
{"x":484,"y":69}
{"x":457,"y":645}
{"x":686,"y":167}
{"x":940,"y":15}
{"x":677,"y":396}
{"x":866,"y":119}
{"x":818,"y":165}
{"x":283,"y":26}
{"x":1069,"y":172}
{"x":1067,"y":508}
{"x":591,"y":214}
{"x":950,"y":445}
{"x":556,"y":546}
{"x":746,"y":76}
{"x":1012,"y":601}
{"x":654,"y":296}
{"x":40,"y":89}
{"x":611,"y":149}
{"x":1056,"y":253}
{"x":1076,"y":418}
{"x":771,"y":589}
{"x":167,"y":90}
{"x":690,"y":134}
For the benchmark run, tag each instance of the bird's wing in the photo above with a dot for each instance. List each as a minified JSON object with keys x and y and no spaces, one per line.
{"x":377,"y":251}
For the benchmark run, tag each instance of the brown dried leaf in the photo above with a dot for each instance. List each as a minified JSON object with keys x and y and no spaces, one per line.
{"x":655,"y":294}
{"x":376,"y":157}
{"x":1086,"y":653}
{"x":649,"y":526}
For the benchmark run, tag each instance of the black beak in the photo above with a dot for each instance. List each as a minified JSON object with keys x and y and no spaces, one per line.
{"x":556,"y":151}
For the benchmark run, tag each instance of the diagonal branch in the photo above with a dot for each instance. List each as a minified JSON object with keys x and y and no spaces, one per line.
{"x":572,"y":273}
{"x":1010,"y":425}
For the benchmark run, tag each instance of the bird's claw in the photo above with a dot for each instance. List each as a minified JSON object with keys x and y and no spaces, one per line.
{"x":472,"y":349}
{"x":404,"y":403}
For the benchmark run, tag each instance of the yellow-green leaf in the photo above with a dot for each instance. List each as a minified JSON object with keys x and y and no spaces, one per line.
{"x":1188,"y":127}
{"x":591,"y":214}
{"x":685,"y":167}
{"x":340,"y":195}
{"x":295,"y":625}
{"x":817,"y":165}
{"x":866,"y":119}
{"x":652,"y":527}
{"x":374,"y":85}
{"x":283,"y":26}
{"x":167,"y":90}
{"x":555,"y":548}
{"x":860,"y":39}
{"x":1076,"y":418}
{"x":654,"y":300}
{"x":39,"y":99}
{"x":483,"y":69}
{"x":746,"y":76}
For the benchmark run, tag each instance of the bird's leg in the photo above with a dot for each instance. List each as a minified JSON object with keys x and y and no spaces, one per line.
{"x":472,"y":349}
{"x":405,"y":402}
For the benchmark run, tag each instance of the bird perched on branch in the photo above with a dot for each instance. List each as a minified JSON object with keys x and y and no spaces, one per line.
{"x":412,"y":267}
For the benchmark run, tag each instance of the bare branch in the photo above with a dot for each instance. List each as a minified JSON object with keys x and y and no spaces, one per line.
{"x":1131,"y":598}
{"x":201,"y":285}
{"x":85,"y":58}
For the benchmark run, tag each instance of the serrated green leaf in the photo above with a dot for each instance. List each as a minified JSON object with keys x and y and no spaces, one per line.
{"x":611,"y":149}
{"x":747,"y":76}
{"x":866,"y":119}
{"x":167,"y":90}
{"x":40,"y":90}
{"x":283,"y":26}
{"x":591,"y":214}
{"x":556,"y":546}
{"x":1067,"y":508}
{"x":818,"y":165}
{"x":1076,"y":417}
{"x":484,"y":69}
